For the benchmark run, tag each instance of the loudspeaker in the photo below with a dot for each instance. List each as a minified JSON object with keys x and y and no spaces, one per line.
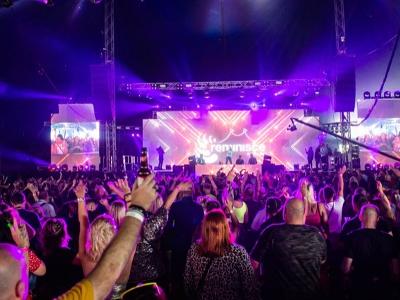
{"x":177,"y":170}
{"x":100,"y":76}
{"x":345,"y":85}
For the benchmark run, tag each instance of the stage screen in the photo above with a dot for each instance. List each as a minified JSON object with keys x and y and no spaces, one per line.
{"x":382,"y":134}
{"x":212,"y":133}
{"x":75,"y":144}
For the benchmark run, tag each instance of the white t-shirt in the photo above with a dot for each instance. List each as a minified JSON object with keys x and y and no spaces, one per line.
{"x":334,"y":211}
{"x":259,"y":219}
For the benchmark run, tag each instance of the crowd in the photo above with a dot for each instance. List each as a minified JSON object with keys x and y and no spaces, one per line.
{"x":290,"y":235}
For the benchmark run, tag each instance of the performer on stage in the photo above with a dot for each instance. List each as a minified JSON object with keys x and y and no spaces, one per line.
{"x":252,"y":159}
{"x":240,"y":160}
{"x":161,"y":152}
{"x":229,"y":155}
{"x":201,"y":160}
{"x":310,"y":156}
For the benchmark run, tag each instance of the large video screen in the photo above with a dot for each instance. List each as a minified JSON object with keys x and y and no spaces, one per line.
{"x":75,"y":143}
{"x":213,"y":133}
{"x":381,"y":134}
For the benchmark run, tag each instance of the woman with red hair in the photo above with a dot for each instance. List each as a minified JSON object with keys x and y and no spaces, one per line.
{"x":215,"y":267}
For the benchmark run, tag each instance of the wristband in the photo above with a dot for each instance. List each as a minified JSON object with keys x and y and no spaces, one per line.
{"x":138,"y":208}
{"x":80,"y":200}
{"x":136,"y":214}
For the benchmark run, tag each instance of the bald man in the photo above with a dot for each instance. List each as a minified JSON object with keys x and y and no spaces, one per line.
{"x":13,"y":273}
{"x":289,"y":256}
{"x":370,"y":257}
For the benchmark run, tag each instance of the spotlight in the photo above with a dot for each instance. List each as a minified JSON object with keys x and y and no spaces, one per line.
{"x":254,"y":106}
{"x":377,"y":94}
{"x":367,"y":95}
{"x":397,"y":94}
{"x":387,"y":94}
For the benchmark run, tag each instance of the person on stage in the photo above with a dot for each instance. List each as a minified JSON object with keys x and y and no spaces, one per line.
{"x":252,"y":159}
{"x":310,"y":156}
{"x":229,"y":155}
{"x":240,"y":160}
{"x":160,"y":152}
{"x":201,"y":160}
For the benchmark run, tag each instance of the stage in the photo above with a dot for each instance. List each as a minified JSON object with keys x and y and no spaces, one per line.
{"x":213,"y":169}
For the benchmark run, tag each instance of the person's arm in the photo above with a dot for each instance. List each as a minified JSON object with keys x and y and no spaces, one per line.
{"x":324,"y":218}
{"x":385,"y":201}
{"x":184,"y":186}
{"x":20,"y":236}
{"x":83,"y":218}
{"x":120,"y":249}
{"x":346,"y":265}
{"x":341,"y":171}
{"x":214,"y":186}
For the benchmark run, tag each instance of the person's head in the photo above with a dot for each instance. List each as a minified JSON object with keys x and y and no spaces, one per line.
{"x":294,"y":211}
{"x":251,"y":155}
{"x":14,"y":283}
{"x":18,"y":200}
{"x":59,"y":138}
{"x":102,"y":231}
{"x":215,"y":233}
{"x":329,"y":194}
{"x":272,"y":206}
{"x":212,"y":204}
{"x":118,"y":211}
{"x":54,"y":235}
{"x":207,"y":188}
{"x":358,"y":201}
{"x":240,"y":157}
{"x":201,"y":155}
{"x":369,"y":216}
{"x":44,"y":195}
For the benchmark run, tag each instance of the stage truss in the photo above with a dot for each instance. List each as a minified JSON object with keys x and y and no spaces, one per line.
{"x":130,"y":88}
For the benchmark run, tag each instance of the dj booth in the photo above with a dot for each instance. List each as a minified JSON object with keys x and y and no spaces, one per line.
{"x":213,"y":169}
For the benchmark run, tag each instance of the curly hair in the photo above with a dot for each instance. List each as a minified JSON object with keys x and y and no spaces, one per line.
{"x":54,"y":235}
{"x":102,"y":232}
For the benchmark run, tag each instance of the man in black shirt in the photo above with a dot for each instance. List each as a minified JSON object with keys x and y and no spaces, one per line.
{"x":290,"y":255}
{"x":240,"y":160}
{"x":353,"y":224}
{"x":252,"y":159}
{"x":370,"y":256}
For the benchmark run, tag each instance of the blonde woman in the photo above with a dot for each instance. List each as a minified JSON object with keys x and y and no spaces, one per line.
{"x":316,"y":212}
{"x":118,"y":212}
{"x":95,"y":237}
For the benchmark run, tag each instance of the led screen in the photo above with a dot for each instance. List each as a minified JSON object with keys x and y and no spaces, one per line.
{"x":212,"y":133}
{"x":75,"y":143}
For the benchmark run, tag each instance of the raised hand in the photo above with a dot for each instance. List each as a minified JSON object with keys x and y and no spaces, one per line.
{"x":379,"y":187}
{"x":143,"y":195}
{"x":123,"y":185}
{"x":19,"y":235}
{"x":80,"y":190}
{"x":231,"y":174}
{"x":342,"y":170}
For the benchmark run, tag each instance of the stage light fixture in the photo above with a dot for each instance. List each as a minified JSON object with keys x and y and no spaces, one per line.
{"x":397,"y":94}
{"x":367,"y":95}
{"x":387,"y":94}
{"x":377,"y":94}
{"x":254,"y":106}
{"x":49,"y":3}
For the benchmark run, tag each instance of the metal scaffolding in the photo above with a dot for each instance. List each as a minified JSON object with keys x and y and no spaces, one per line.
{"x":340,"y":31}
{"x":109,"y":59}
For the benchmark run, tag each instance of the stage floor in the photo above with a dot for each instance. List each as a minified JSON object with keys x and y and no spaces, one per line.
{"x":213,"y":169}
